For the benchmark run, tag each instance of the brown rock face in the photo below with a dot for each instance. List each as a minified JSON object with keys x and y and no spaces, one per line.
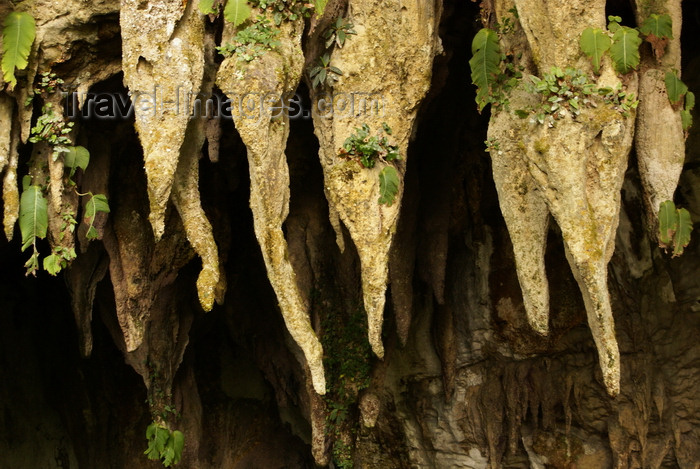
{"x":509,"y":309}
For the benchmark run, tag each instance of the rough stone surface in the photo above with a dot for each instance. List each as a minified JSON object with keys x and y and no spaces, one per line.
{"x":270,"y":79}
{"x":576,"y":165}
{"x":466,"y":381}
{"x":397,"y":74}
{"x":9,"y":138}
{"x":659,"y":138}
{"x":163,"y":62}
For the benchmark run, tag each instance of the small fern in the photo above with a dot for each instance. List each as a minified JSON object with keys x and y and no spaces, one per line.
{"x":18,"y":35}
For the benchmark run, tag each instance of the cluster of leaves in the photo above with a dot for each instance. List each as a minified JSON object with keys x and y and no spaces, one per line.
{"x":680,"y":97}
{"x":492,"y":145}
{"x":18,"y":33}
{"x":252,"y":41}
{"x":493,"y":72}
{"x":622,"y":42}
{"x":283,"y":10}
{"x":324,"y":72}
{"x":347,"y":362}
{"x":239,"y":11}
{"x":53,"y":129}
{"x":338,"y":32}
{"x":367,"y":149}
{"x":164,"y":445}
{"x":566,"y":92}
{"x":675,"y":227}
{"x":33,"y":218}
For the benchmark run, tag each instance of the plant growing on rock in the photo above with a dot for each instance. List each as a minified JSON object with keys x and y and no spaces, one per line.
{"x":338,"y":32}
{"x":324,"y":72}
{"x":675,"y":227}
{"x":622,"y":42}
{"x":367,"y":149}
{"x":680,"y":97}
{"x":164,"y":445}
{"x":567,"y":92}
{"x":252,"y":41}
{"x":52,"y":129}
{"x":19,"y":30}
{"x":493,"y":72}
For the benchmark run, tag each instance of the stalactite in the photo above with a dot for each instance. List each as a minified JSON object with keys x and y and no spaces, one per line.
{"x":197,"y":227}
{"x":274,"y":76}
{"x":397,"y":76}
{"x":574,"y":167}
{"x":9,"y":138}
{"x":163,"y":61}
{"x":659,"y":138}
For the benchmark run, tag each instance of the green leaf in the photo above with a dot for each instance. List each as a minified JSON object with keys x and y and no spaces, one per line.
{"x":178,"y":445}
{"x":206,"y":7}
{"x":237,"y":11}
{"x":689,"y":100}
{"x":33,"y":216}
{"x":76,"y":157}
{"x":388,"y":185}
{"x":686,"y":115}
{"x":53,"y":264}
{"x":594,"y":42}
{"x":614,"y":23}
{"x":660,"y":26}
{"x":686,"y":119}
{"x":320,"y":5}
{"x":675,"y":88}
{"x":682,"y":236}
{"x":668,"y":224}
{"x":97,"y":203}
{"x":485,"y":64}
{"x":17,"y":36}
{"x":521,"y":113}
{"x":625,"y":49}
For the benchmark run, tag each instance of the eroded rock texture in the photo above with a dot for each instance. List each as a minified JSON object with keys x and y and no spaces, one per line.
{"x":572,"y":167}
{"x":659,"y":139}
{"x":384,"y":81}
{"x":269,"y":82}
{"x":506,"y":268}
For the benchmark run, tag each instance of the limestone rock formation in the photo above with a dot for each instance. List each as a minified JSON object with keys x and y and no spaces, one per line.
{"x":383,"y":81}
{"x":269,"y":82}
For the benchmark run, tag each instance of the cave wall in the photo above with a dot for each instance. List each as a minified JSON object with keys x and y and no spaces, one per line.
{"x":464,"y":381}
